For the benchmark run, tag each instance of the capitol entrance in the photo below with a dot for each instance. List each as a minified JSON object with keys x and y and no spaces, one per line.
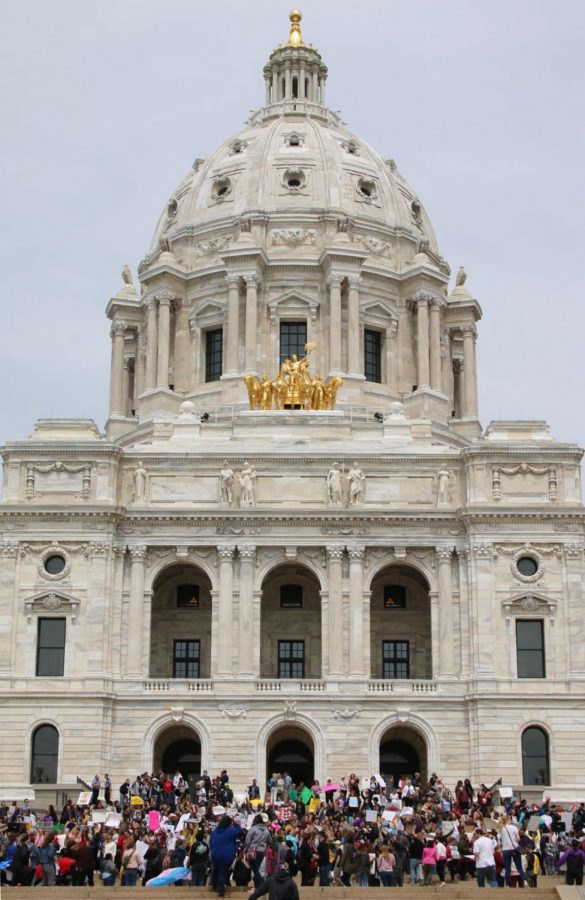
{"x":291,"y":750}
{"x":402,"y":753}
{"x":178,"y":748}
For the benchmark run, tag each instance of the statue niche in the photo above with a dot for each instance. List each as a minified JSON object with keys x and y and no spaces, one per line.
{"x":293,"y":387}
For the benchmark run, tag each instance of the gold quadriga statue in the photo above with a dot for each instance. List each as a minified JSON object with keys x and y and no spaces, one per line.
{"x":293,"y":388}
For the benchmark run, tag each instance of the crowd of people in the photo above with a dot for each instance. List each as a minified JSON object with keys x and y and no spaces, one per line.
{"x":163,"y":829}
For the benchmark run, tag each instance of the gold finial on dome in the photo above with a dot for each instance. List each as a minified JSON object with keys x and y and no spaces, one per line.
{"x":295,"y":38}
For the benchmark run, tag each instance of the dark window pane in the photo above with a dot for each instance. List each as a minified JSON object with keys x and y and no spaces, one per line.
{"x":394,"y":596}
{"x":54,"y":565}
{"x":45,"y":751}
{"x":535,"y":765}
{"x":527,"y":566}
{"x":186,"y":655}
{"x":395,"y":661}
{"x":291,"y":659}
{"x":188,"y":596}
{"x":293,"y":337}
{"x":51,"y":647}
{"x":373,"y":355}
{"x":291,"y":596}
{"x":213,"y":354}
{"x":530,"y":649}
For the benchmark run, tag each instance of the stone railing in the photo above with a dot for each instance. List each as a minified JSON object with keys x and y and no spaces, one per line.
{"x":402,"y":686}
{"x":290,"y":685}
{"x":177,"y":685}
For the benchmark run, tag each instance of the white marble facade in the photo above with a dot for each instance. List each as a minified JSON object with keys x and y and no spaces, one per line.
{"x":292,"y":220}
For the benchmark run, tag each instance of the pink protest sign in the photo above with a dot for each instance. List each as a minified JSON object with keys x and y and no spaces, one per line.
{"x":153,"y":820}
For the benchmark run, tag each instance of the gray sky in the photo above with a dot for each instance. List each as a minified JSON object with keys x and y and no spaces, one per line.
{"x":106,"y":104}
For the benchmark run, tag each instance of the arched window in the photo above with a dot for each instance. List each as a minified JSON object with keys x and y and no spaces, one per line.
{"x":535,"y":764}
{"x":45,"y":753}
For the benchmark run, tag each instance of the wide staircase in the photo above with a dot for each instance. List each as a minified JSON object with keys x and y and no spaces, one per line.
{"x":546,"y":890}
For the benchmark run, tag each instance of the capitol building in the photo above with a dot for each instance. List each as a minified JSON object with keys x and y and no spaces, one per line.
{"x":293,"y":546}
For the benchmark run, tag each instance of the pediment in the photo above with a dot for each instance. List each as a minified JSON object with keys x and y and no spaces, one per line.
{"x":51,"y":601}
{"x":378,"y":308}
{"x":293,"y":301}
{"x":209,"y":308}
{"x":530,"y":603}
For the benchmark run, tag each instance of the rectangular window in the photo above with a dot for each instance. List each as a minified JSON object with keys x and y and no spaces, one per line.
{"x":293,"y":337}
{"x":291,"y":596}
{"x":188,"y":596}
{"x":373,"y":355}
{"x":395,"y":659}
{"x":51,"y":647}
{"x":394,"y":596}
{"x":530,"y":648}
{"x":213,"y":354}
{"x":291,"y":659}
{"x":186,"y":656}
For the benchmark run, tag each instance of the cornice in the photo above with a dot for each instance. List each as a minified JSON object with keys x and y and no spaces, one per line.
{"x":84,"y":449}
{"x":542,"y":451}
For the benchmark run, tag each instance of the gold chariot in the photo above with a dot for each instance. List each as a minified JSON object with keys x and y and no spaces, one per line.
{"x":293,"y":388}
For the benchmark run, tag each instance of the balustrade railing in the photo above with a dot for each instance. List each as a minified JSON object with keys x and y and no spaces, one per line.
{"x":402,"y":686}
{"x":290,"y":685}
{"x":177,"y":685}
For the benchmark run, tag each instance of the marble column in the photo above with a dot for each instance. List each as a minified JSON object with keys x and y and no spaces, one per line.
{"x":356,"y":611}
{"x":302,"y":82}
{"x":223,"y":651}
{"x":135,"y":614}
{"x":151,"y":344}
{"x":334,"y":283}
{"x":322,"y":90}
{"x":335,"y":622}
{"x":266,"y":90}
{"x":248,"y":634}
{"x":117,"y":375}
{"x":445,"y":601}
{"x":181,"y":350}
{"x":470,"y":386}
{"x":435,"y":341}
{"x":126,"y":376}
{"x":287,"y":90}
{"x":233,"y":322}
{"x":164,"y":332}
{"x":251,"y":324}
{"x":140,"y":367}
{"x":353,"y":327}
{"x":422,"y":326}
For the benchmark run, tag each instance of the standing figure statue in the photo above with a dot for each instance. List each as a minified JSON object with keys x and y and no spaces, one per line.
{"x":357,"y":483}
{"x":265,"y":392}
{"x":247,"y":481}
{"x":317,"y":393}
{"x":443,"y":487}
{"x":226,"y":484}
{"x":334,"y":484}
{"x":140,"y":482}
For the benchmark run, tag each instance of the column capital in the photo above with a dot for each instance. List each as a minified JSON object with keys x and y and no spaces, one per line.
{"x":335,"y":552}
{"x":138,"y":553}
{"x":233,"y":280}
{"x":118,"y":327}
{"x":165,"y":298}
{"x":423,"y":298}
{"x":247,"y":552}
{"x":252,"y":281}
{"x":334,"y":280}
{"x":354,"y":280}
{"x":443,"y":554}
{"x":469,"y":329}
{"x":437,"y":302}
{"x":226,"y":552}
{"x":356,"y":553}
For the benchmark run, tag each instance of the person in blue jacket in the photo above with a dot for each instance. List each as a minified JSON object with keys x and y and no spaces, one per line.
{"x":223,"y":851}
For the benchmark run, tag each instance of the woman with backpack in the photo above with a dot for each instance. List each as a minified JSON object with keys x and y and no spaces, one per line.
{"x":257,"y":841}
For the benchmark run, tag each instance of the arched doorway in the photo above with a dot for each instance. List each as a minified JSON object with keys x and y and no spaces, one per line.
{"x":180,"y":632}
{"x":400,"y":624}
{"x":178,"y":748}
{"x":291,"y":749}
{"x":403,"y":752}
{"x":290,"y":624}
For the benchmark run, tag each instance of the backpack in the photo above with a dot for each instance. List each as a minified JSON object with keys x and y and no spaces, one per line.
{"x":271,"y":861}
{"x":574,"y":864}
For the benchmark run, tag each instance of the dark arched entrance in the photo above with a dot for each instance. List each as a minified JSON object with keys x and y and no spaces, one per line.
{"x":291,"y":750}
{"x":178,"y":748}
{"x":402,"y":753}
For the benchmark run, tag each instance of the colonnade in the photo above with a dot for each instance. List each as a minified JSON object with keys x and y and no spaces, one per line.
{"x":345,"y":606}
{"x":279,"y":82}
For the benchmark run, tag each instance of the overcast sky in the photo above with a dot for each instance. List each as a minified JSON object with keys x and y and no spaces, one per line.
{"x":106,"y":103}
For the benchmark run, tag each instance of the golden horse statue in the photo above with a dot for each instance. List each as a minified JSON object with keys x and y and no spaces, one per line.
{"x":293,"y":387}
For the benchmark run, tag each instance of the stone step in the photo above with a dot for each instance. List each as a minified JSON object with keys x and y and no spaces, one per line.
{"x":456,"y":891}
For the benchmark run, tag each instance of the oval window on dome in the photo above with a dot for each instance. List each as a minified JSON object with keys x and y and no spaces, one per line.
{"x":222,"y":188}
{"x":294,"y":180}
{"x":366,"y":189}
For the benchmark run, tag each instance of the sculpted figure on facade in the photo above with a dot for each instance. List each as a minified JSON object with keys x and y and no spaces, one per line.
{"x":247,"y":482}
{"x":444,"y":477}
{"x":334,"y":484}
{"x":226,"y":484}
{"x":357,"y":484}
{"x":140,"y":479}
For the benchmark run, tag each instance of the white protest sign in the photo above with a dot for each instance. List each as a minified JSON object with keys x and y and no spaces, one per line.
{"x":506,"y":793}
{"x":141,"y":849}
{"x":184,"y":818}
{"x":380,"y":780}
{"x":371,"y":815}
